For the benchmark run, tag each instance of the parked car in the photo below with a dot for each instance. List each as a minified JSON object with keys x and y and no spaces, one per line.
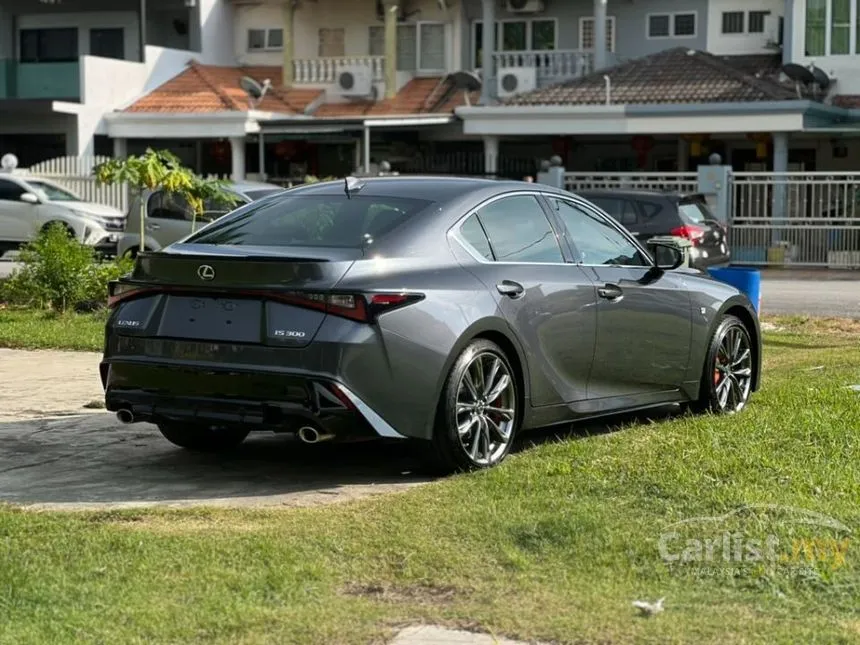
{"x":29,"y":204}
{"x":169,"y":216}
{"x":454,"y":312}
{"x":649,"y":213}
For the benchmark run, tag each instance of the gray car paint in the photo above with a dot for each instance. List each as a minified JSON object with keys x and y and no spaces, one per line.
{"x":576,"y":357}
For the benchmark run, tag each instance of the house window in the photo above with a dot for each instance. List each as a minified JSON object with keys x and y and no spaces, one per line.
{"x":832,"y":27}
{"x":420,"y":46}
{"x":733,"y":22}
{"x":672,"y":25}
{"x":756,"y":21}
{"x":331,"y":43}
{"x":539,"y":34}
{"x":265,"y":39}
{"x":586,"y":33}
{"x":107,"y":43}
{"x":49,"y":45}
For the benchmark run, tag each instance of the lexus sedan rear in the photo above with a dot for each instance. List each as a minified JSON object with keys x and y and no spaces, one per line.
{"x":451,"y":312}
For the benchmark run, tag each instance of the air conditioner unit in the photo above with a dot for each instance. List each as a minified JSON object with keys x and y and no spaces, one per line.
{"x":524,"y":6}
{"x":513,"y":80}
{"x":773,"y":26}
{"x":355,"y":81}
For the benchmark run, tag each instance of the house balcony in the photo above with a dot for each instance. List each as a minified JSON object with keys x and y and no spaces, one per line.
{"x":553,"y":66}
{"x":323,"y":71}
{"x":61,"y":81}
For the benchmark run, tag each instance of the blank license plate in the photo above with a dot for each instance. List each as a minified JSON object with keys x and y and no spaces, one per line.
{"x":217,"y":319}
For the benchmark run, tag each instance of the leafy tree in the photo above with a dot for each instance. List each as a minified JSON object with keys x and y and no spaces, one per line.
{"x":161,"y":169}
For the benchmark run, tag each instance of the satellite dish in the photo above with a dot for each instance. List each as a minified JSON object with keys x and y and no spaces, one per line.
{"x":255,"y":91}
{"x":466,"y":81}
{"x":798,"y":73}
{"x":820,"y":77}
{"x":9,"y":162}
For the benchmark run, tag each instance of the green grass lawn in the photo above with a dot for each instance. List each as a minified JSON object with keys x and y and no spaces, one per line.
{"x":553,"y":545}
{"x":32,"y":329}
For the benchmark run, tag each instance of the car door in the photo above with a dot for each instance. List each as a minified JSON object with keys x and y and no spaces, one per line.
{"x":18,"y":220}
{"x":548,"y":301}
{"x":168,"y":217}
{"x":644,"y":319}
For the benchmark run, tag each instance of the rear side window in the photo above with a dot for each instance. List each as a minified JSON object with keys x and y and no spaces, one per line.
{"x":473,"y":233}
{"x":621,"y":210}
{"x":519,"y":230}
{"x":312,"y":220}
{"x":692,"y":213}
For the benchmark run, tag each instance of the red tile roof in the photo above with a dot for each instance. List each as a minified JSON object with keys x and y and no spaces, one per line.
{"x":207,"y":88}
{"x":847,"y":101}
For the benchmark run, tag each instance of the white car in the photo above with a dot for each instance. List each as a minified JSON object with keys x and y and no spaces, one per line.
{"x":28,"y":204}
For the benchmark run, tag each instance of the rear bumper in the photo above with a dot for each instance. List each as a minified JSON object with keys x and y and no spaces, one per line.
{"x":278,"y":402}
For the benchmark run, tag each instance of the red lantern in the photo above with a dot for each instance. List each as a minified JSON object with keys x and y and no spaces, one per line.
{"x":285,"y":149}
{"x":219,"y":150}
{"x":642,"y":145}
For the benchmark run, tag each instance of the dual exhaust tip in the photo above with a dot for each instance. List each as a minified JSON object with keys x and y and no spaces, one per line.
{"x":307,"y":434}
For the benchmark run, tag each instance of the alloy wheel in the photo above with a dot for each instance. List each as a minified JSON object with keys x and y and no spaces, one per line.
{"x":733,"y":370}
{"x":486,"y":409}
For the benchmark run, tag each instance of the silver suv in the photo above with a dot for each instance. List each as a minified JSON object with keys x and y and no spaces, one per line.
{"x":169,"y":216}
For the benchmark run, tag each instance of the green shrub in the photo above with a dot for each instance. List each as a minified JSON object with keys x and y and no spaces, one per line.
{"x":60,"y":273}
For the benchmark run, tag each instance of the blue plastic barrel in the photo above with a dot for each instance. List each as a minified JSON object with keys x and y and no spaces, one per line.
{"x":747,"y":281}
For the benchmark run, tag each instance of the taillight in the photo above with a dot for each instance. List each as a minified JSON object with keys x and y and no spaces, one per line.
{"x":355,"y":306}
{"x":360,"y":307}
{"x":692,"y":233}
{"x":120,"y":291}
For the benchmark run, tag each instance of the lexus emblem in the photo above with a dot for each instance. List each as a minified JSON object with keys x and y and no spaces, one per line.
{"x":205,"y":272}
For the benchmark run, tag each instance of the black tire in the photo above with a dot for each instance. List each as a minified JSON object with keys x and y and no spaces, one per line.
{"x":202,"y":438}
{"x":726,"y":369}
{"x":493,"y":423}
{"x":131,"y":253}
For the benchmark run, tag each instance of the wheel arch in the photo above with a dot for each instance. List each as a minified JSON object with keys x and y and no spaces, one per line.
{"x":741,"y":309}
{"x":499,"y":332}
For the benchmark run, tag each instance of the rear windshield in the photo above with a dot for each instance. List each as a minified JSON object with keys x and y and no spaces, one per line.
{"x":313,"y":220}
{"x":694,"y":212}
{"x":259,"y":193}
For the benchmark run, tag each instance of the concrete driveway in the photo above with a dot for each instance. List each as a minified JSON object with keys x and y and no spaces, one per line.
{"x":56,"y":454}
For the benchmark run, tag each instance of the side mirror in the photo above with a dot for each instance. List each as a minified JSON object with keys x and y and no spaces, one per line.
{"x":30,"y":198}
{"x":669,"y":253}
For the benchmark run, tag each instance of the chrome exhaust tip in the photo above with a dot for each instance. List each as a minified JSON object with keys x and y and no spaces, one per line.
{"x":125,"y":416}
{"x":309,"y":434}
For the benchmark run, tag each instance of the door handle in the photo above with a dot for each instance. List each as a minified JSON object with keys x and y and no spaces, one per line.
{"x":610,"y":292}
{"x":510,"y":288}
{"x":152,"y":227}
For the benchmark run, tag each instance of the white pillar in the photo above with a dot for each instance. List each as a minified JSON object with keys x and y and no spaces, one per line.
{"x":599,"y":34}
{"x":120,"y":148}
{"x":366,"y":150}
{"x":237,"y":149}
{"x":788,"y":33}
{"x":491,"y":155}
{"x":488,"y":55}
{"x":780,"y":181}
{"x":261,"y":156}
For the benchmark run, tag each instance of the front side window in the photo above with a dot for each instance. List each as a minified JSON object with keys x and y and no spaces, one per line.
{"x":52,"y":193}
{"x":10,"y":191}
{"x":313,"y":220}
{"x":519,"y":231}
{"x":597,"y":241}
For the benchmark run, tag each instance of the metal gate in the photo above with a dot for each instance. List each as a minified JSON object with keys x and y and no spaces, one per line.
{"x":76,"y":174}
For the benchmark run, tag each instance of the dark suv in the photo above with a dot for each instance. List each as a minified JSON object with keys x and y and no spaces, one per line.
{"x":647,"y":213}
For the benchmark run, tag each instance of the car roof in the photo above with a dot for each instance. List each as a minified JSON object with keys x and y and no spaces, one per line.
{"x":432,"y":188}
{"x":636,"y":192}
